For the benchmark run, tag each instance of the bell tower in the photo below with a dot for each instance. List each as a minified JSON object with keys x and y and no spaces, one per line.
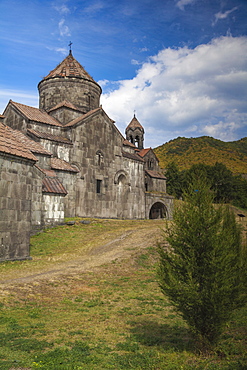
{"x":135,"y":133}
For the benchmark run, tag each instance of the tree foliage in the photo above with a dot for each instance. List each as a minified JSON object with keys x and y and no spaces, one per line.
{"x":203,"y":272}
{"x":227,"y":188}
{"x":188,"y":151}
{"x":174,"y":183}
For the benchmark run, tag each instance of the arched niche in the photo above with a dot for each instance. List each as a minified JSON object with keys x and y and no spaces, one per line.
{"x":121,"y":178}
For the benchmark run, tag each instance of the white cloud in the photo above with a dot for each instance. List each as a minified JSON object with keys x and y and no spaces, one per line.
{"x":62,"y":9}
{"x":186,"y":92}
{"x":63,"y":51}
{"x":222,"y":130}
{"x":181,"y":3}
{"x":63,"y":29}
{"x":94,"y":7}
{"x":28,"y":98}
{"x":143,"y":49}
{"x":135,"y":62}
{"x":223,"y":15}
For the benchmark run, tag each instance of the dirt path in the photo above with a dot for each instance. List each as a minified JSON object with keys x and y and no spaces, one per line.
{"x":126,"y":244}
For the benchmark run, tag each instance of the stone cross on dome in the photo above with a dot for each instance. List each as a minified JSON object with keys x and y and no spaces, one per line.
{"x":70,"y":43}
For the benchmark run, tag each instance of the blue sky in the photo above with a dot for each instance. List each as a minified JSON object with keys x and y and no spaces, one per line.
{"x":181,"y":65}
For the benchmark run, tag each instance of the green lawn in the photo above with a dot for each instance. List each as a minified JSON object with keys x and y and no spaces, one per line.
{"x":110,"y":317}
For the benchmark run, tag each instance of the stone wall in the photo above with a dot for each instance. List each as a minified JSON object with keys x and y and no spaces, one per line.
{"x":65,"y":115}
{"x":155,"y":185}
{"x":53,"y":209}
{"x":44,"y":161}
{"x":69,"y":181}
{"x":14,"y":119}
{"x":83,"y":93}
{"x":16,"y":188}
{"x":46,"y":128}
{"x":97,"y":153}
{"x":151,"y":162}
{"x":37,"y":221}
{"x":59,"y":150}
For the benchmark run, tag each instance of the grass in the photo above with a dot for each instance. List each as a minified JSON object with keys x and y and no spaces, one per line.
{"x":110,"y":317}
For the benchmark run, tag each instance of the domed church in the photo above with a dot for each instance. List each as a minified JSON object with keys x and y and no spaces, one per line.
{"x":67,"y":158}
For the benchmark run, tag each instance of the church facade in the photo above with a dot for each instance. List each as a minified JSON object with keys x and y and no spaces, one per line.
{"x":70,"y":160}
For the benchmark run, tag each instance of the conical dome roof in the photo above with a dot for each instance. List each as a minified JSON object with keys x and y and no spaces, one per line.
{"x":69,"y":82}
{"x":69,"y":67}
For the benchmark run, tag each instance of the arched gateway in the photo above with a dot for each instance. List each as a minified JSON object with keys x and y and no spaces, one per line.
{"x":158,"y":210}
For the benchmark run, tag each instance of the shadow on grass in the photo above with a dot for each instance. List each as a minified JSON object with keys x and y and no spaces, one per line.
{"x":151,"y":333}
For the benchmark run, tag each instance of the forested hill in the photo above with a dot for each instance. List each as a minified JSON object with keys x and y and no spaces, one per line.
{"x":186,"y":152}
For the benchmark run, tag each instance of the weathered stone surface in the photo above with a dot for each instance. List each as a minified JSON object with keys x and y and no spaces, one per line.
{"x":16,"y":207}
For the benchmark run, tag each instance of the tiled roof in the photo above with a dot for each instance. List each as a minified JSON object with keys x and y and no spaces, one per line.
{"x":134,"y":123}
{"x":49,"y":173}
{"x":32,"y":145}
{"x":11,"y":145}
{"x":128,"y":143}
{"x":35,"y":114}
{"x":132,"y":156}
{"x":53,"y":185}
{"x":65,"y":103}
{"x":82,"y":117}
{"x":155,"y":174}
{"x":69,"y":67}
{"x":143,"y":152}
{"x":45,"y":135}
{"x":59,"y":164}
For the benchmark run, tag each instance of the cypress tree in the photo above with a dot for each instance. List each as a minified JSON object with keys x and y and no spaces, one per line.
{"x":203,"y":272}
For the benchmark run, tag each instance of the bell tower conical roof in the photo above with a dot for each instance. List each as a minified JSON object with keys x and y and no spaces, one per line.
{"x":71,"y":82}
{"x":134,"y":123}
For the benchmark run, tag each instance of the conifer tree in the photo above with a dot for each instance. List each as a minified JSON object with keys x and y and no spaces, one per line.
{"x":203,"y":272}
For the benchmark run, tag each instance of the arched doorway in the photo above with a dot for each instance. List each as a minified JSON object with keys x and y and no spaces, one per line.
{"x":158,"y":210}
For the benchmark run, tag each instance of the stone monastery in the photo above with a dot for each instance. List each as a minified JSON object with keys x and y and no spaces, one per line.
{"x":68,"y":159}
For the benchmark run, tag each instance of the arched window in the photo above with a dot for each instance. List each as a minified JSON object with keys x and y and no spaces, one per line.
{"x":151,"y":164}
{"x":99,"y":157}
{"x":121,"y":180}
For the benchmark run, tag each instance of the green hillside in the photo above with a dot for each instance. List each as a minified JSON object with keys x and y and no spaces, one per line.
{"x":186,"y":152}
